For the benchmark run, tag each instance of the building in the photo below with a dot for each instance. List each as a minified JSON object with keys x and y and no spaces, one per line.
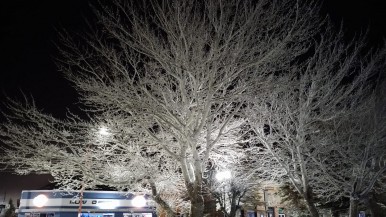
{"x":272,"y":206}
{"x":51,"y":203}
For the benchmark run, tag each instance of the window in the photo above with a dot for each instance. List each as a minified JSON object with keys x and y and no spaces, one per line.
{"x":251,"y":214}
{"x":281,"y":212}
{"x":39,"y":215}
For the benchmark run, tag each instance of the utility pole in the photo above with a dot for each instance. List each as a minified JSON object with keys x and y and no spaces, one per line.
{"x":80,"y":200}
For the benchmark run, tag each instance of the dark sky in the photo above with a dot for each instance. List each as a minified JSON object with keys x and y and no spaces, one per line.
{"x":28,"y":31}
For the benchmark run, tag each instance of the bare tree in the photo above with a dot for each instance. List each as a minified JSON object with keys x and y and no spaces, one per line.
{"x":235,"y":180}
{"x":288,"y":120}
{"x":175,"y":73}
{"x":83,"y":154}
{"x":180,"y":68}
{"x":353,"y":167}
{"x":229,"y":196}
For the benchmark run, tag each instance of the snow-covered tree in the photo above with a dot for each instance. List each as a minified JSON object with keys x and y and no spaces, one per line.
{"x":233,"y":182}
{"x":181,"y":68}
{"x":292,"y":199}
{"x":174,"y":73}
{"x":289,"y":119}
{"x":83,"y":154}
{"x":354,"y":166}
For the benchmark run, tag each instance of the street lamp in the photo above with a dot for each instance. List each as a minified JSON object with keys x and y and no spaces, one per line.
{"x":223,"y":175}
{"x":103,"y":131}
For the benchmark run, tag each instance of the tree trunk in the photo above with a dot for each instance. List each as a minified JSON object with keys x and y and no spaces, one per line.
{"x":335,"y":214}
{"x":196,"y":198}
{"x":164,"y":205}
{"x":353,"y":207}
{"x":209,"y":204}
{"x":371,"y":205}
{"x":310,"y":203}
{"x":312,"y":209}
{"x":157,"y":198}
{"x":197,"y":206}
{"x":233,"y":205}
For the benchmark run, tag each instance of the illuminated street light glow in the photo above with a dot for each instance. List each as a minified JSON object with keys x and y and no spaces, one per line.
{"x":103,"y":131}
{"x":40,"y":200}
{"x":139,"y":201}
{"x":223,"y":175}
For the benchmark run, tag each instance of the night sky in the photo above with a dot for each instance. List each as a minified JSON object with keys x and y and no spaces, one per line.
{"x":29,"y":31}
{"x":28,"y":34}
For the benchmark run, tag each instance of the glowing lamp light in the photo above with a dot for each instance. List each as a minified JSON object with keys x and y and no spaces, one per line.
{"x":40,"y":200}
{"x":139,"y":201}
{"x":224,"y":175}
{"x":103,"y":131}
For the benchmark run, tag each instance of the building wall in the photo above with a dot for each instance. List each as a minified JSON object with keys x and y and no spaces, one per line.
{"x":270,"y":205}
{"x":270,"y":201}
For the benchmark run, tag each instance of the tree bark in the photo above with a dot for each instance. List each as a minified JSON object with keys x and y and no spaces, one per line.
{"x":209,"y":204}
{"x":157,"y":198}
{"x":197,"y":206}
{"x":335,"y":213}
{"x":312,"y":209}
{"x":196,"y":198}
{"x":233,"y":205}
{"x":310,"y":203}
{"x":353,"y":207}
